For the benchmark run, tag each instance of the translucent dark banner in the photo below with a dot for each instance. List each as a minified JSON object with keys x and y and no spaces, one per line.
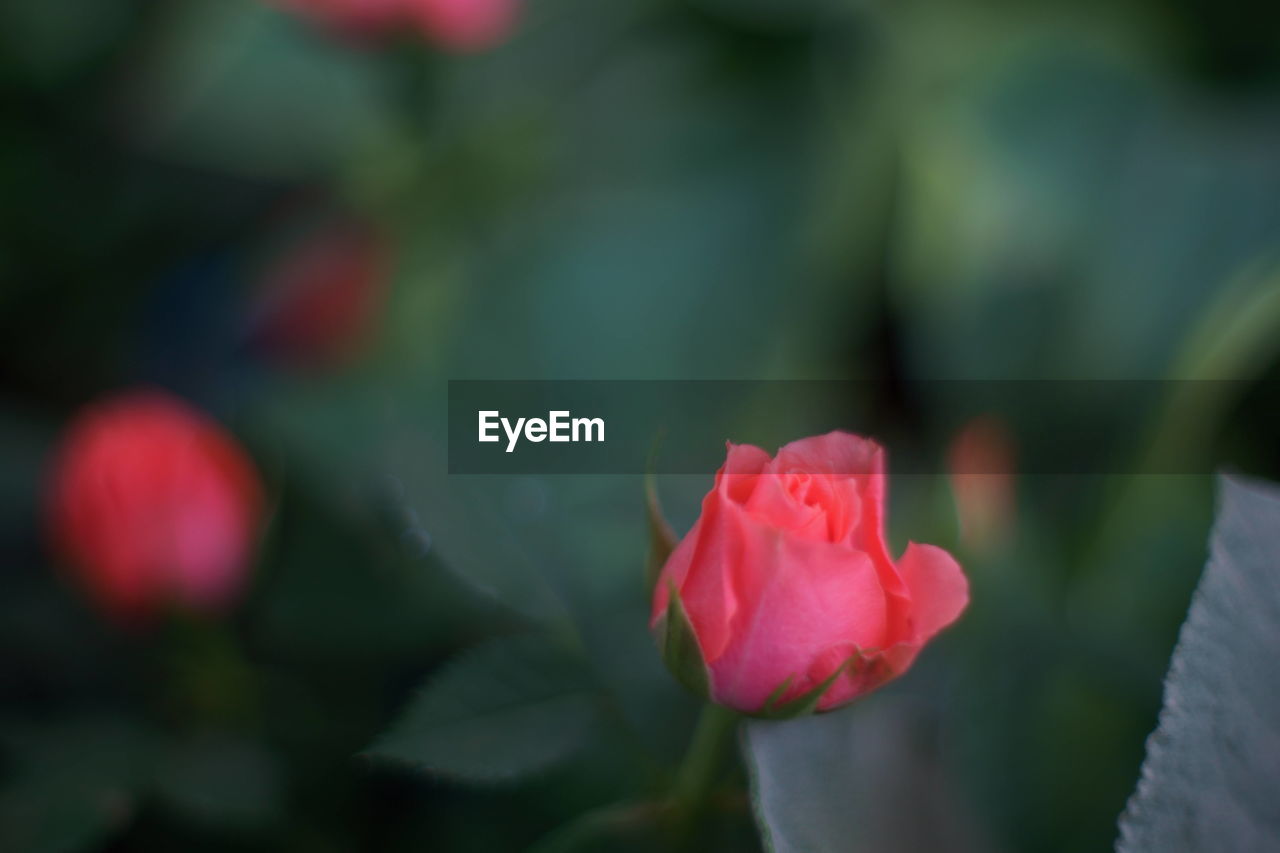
{"x":680,"y":427}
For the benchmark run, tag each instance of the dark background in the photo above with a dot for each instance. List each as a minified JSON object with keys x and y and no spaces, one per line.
{"x":635,"y":189}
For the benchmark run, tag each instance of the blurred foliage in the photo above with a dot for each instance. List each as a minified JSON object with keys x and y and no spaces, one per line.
{"x":632,"y":189}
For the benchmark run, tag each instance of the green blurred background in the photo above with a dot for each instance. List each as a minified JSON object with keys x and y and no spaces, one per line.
{"x":684,"y":189}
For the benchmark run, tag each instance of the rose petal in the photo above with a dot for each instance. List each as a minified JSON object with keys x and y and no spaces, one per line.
{"x":699,"y":568}
{"x":773,"y":502}
{"x":939,"y":590}
{"x":796,"y":599}
{"x":712,"y":592}
{"x":835,"y":452}
{"x":736,"y":478}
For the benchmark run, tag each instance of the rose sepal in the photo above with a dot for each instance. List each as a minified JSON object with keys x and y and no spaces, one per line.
{"x":662,"y":539}
{"x":679,"y":646}
{"x":801,"y":706}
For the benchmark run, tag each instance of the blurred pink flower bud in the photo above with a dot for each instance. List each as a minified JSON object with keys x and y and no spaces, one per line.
{"x":152,"y":504}
{"x":320,"y":300}
{"x":465,"y":25}
{"x":458,"y":25}
{"x":982,"y":465}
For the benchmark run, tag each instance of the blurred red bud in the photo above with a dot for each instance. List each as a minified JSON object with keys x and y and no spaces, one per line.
{"x":153,"y":505}
{"x":320,"y":300}
{"x":981,"y":460}
{"x":465,"y":25}
{"x":458,"y":25}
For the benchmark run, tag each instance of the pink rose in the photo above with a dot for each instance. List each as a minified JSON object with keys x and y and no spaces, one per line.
{"x":153,"y":505}
{"x":786,"y":585}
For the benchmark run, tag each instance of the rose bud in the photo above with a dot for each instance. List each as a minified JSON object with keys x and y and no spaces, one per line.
{"x":464,"y":25}
{"x":457,"y":25}
{"x":319,"y":301}
{"x":783,"y":599}
{"x":981,"y":464}
{"x":153,"y":505}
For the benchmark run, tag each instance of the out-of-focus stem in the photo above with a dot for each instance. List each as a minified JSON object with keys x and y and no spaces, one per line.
{"x":703,"y":762}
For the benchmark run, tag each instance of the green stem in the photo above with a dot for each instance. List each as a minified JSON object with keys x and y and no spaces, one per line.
{"x":206,"y":672}
{"x":704,"y":759}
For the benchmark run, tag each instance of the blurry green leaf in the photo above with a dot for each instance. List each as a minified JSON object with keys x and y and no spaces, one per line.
{"x":370,"y":436}
{"x":512,"y":706}
{"x":1210,"y":778}
{"x":250,"y":89}
{"x":627,"y":664}
{"x":482,"y":535}
{"x":1238,"y":335}
{"x":775,"y":17}
{"x":673,"y":188}
{"x":858,"y":779}
{"x":25,"y":439}
{"x":1056,"y":194}
{"x":622,"y":826}
{"x":71,"y":784}
{"x":341,"y":590}
{"x":52,"y":39}
{"x":220,"y":780}
{"x":1236,"y":340}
